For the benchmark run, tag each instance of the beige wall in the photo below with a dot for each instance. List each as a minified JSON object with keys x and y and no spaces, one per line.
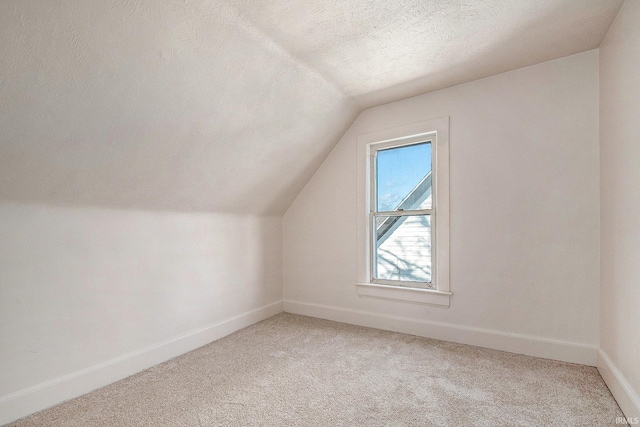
{"x":620,"y":200}
{"x":524,"y":216}
{"x":88,"y":295}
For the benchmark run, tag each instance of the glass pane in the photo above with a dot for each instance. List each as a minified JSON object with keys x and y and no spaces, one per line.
{"x":403,"y":178}
{"x":403,"y":248}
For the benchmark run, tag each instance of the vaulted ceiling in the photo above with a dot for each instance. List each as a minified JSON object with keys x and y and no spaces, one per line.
{"x":232,"y":105}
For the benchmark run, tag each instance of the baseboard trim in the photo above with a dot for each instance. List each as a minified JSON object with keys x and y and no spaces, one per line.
{"x":36,"y":398}
{"x":627,"y":398}
{"x":515,"y":343}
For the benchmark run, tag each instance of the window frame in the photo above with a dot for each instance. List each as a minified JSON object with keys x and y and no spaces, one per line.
{"x":437,"y":132}
{"x":374,"y":148}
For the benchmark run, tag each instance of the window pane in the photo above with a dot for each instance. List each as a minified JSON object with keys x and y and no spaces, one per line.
{"x":403,"y":248}
{"x":403,"y":178}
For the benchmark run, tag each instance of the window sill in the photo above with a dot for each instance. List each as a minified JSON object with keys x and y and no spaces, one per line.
{"x":399,"y":293}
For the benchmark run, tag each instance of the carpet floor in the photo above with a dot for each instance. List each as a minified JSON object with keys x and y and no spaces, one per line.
{"x":293,"y":370}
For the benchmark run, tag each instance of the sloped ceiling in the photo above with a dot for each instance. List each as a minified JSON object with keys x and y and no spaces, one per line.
{"x":384,"y":50}
{"x":232,"y":105}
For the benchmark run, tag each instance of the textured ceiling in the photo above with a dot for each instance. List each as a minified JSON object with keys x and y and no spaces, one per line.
{"x":384,"y":50}
{"x":232,"y":105}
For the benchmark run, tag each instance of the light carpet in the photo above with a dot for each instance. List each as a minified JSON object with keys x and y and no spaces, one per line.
{"x":293,"y":370}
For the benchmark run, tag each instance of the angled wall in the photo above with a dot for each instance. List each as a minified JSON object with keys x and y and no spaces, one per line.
{"x":177,"y":106}
{"x":524,"y":217}
{"x":619,"y":361}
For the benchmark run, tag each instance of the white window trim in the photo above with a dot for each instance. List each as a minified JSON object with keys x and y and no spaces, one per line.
{"x":436,"y":130}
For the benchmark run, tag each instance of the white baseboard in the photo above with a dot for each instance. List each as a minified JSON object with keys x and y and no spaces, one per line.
{"x":36,"y":398}
{"x":505,"y":341}
{"x":627,"y":398}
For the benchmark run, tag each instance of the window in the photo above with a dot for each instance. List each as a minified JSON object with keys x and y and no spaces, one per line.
{"x":403,"y":216}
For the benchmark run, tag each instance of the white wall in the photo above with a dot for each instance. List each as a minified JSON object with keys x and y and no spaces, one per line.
{"x":620,"y":199}
{"x":524,"y":216}
{"x":117,"y":291}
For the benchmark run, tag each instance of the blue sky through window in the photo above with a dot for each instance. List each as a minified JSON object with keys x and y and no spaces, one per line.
{"x":398,"y":171}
